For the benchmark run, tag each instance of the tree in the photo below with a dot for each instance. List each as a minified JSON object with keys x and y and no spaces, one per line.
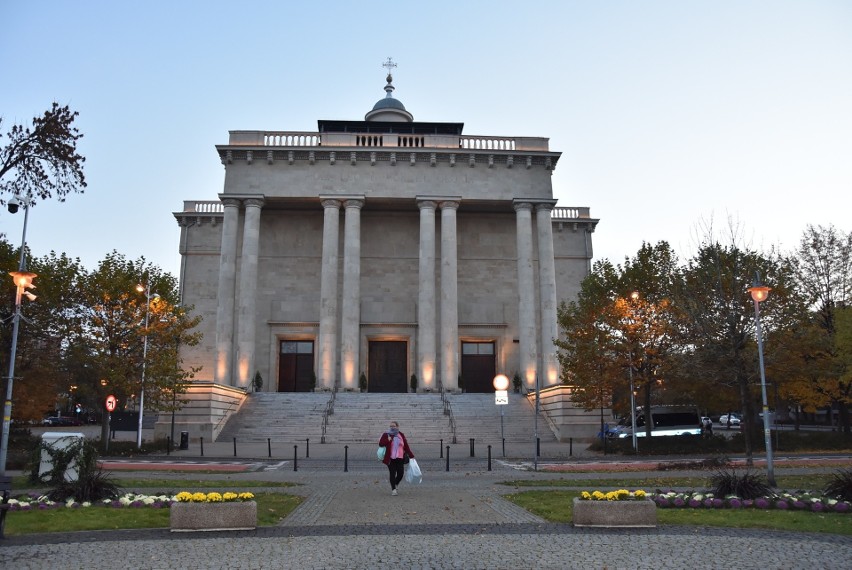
{"x":111,"y":333}
{"x":824,"y":272}
{"x":42,"y":160}
{"x":718,"y":322}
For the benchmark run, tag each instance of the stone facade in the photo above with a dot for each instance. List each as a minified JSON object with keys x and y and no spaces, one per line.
{"x":383,"y":247}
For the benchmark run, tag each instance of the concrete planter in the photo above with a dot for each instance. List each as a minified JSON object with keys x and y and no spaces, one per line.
{"x":630,"y":514}
{"x":189,"y":517}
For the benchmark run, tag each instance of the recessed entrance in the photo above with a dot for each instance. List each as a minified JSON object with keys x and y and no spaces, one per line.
{"x":388,"y":366}
{"x":296,"y":366}
{"x":478,"y":367}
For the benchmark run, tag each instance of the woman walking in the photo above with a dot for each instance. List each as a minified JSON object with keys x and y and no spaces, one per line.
{"x":396,"y":450}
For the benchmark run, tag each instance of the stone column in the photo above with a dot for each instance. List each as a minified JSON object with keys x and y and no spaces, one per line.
{"x":547,"y":295}
{"x":350,"y":328}
{"x":449,"y":297}
{"x":426,"y":372}
{"x":328,"y":295}
{"x":247,"y":326}
{"x":226,"y":293}
{"x":526,"y":295}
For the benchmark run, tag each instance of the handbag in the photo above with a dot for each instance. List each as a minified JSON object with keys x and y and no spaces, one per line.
{"x":380,"y":453}
{"x":405,"y":458}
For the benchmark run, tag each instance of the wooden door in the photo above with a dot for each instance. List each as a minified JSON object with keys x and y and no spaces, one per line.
{"x":388,"y":366}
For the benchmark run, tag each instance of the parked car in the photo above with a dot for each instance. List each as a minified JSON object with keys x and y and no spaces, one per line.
{"x":61,"y":421}
{"x":735,"y":420}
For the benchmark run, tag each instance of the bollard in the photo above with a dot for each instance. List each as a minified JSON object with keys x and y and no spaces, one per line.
{"x":168,"y":445}
{"x":345,"y":458}
{"x":201,"y":439}
{"x":570,"y":447}
{"x":295,"y":458}
{"x":269,"y":445}
{"x":235,"y":447}
{"x":504,"y":447}
{"x":441,"y":449}
{"x":307,"y":448}
{"x":489,"y":458}
{"x":472,"y":454}
{"x":538,"y":447}
{"x":448,"y":458}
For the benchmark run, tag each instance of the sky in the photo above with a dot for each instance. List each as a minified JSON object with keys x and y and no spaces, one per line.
{"x":675,"y":119}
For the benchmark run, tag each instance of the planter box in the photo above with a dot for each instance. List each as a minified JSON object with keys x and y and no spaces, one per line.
{"x":189,"y":517}
{"x":631,"y":514}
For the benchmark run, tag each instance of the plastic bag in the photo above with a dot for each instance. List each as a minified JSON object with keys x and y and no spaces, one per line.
{"x":380,"y":453}
{"x":413,"y":474}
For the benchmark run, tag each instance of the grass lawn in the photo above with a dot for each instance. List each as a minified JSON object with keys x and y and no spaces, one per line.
{"x":556,"y":506}
{"x":271,"y":508}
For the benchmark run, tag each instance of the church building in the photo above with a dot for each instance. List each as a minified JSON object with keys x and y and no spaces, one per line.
{"x":376,"y":255}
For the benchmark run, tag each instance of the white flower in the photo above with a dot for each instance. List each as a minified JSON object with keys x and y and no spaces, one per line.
{"x":86,"y":504}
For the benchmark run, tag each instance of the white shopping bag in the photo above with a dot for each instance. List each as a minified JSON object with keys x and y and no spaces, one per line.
{"x":413,"y":474}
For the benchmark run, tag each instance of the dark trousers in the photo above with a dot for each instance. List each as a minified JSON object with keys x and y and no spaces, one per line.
{"x":396,"y":467}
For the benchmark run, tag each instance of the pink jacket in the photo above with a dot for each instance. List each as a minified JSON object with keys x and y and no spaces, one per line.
{"x":386,"y":442}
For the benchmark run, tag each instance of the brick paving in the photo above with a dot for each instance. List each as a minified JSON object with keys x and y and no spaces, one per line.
{"x":455,"y":519}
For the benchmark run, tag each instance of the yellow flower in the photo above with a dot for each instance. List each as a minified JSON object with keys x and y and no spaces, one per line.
{"x":246,"y":496}
{"x":230,"y":496}
{"x":183,"y":497}
{"x":214,"y":498}
{"x":199,"y":497}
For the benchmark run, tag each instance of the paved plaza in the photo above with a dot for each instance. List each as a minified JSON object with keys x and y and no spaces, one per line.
{"x":456,"y":519}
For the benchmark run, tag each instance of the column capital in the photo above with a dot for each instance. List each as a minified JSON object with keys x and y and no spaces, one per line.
{"x":545,"y":206}
{"x":449,"y":204}
{"x":519,"y":206}
{"x":253,"y":202}
{"x":330,"y":203}
{"x":425,"y":204}
{"x":354,"y":203}
{"x":230,"y":202}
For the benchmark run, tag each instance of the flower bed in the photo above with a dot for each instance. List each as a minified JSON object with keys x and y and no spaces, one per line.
{"x":614,"y":509}
{"x":213,"y":511}
{"x":130,"y":500}
{"x":781,"y":501}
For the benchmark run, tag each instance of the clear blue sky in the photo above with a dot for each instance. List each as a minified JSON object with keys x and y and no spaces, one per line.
{"x":670,"y":115}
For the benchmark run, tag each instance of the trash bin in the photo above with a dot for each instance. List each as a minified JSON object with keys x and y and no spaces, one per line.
{"x":184,"y":440}
{"x":59,"y":440}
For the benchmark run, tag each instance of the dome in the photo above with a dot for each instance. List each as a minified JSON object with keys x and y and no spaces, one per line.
{"x":388,"y":108}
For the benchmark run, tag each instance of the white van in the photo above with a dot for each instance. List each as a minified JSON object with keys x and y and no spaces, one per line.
{"x":667,"y":420}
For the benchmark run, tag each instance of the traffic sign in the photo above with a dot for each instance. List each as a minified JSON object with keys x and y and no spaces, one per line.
{"x":501,"y":397}
{"x":111,"y":402}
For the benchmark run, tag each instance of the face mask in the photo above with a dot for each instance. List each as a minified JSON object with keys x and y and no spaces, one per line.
{"x":393,"y":431}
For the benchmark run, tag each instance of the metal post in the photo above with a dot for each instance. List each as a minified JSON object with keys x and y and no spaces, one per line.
{"x":448,"y":458}
{"x":570,"y":447}
{"x":345,"y":458}
{"x":441,"y":449}
{"x":489,"y":458}
{"x":7,"y":405}
{"x":168,"y":445}
{"x":535,"y":429}
{"x":504,"y":447}
{"x":295,"y":458}
{"x":307,"y":447}
{"x":472,"y":454}
{"x":538,"y":447}
{"x":144,"y":364}
{"x":633,"y":406}
{"x":235,"y":447}
{"x":269,"y":445}
{"x":201,"y":439}
{"x":767,"y":433}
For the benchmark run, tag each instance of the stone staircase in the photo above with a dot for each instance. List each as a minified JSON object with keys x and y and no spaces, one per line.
{"x":477,"y":416}
{"x":277,"y":416}
{"x":362,"y":417}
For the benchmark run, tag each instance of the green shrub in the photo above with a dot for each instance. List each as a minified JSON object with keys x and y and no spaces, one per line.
{"x":743,"y":484}
{"x":840,"y":486}
{"x":91,"y":484}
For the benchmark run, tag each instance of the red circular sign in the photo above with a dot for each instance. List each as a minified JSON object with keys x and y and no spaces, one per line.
{"x":111,"y":403}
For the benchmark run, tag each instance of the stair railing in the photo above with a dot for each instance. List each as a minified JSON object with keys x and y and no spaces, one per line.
{"x":329,"y":411}
{"x":448,"y":411}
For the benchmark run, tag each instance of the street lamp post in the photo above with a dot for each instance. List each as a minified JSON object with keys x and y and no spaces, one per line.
{"x":23,"y":281}
{"x":147,"y":290}
{"x":759,"y":293}
{"x":633,"y":296}
{"x":501,"y":398}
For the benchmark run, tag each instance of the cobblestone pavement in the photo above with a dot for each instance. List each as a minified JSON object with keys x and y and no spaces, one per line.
{"x":453,"y":520}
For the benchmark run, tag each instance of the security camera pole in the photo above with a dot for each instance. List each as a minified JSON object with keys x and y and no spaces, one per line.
{"x":23,"y":281}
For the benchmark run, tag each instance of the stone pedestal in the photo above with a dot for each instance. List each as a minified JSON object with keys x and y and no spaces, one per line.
{"x":613,"y":514}
{"x":190,"y":517}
